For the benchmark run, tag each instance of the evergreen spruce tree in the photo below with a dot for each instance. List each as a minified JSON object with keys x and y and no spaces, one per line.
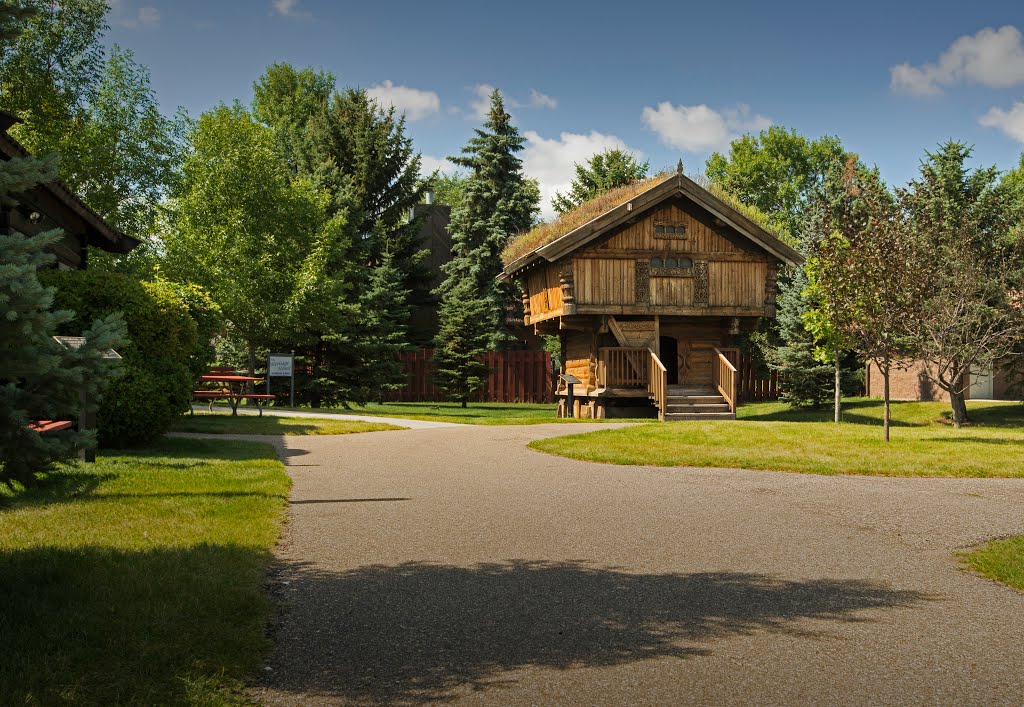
{"x":384,"y":330}
{"x":602,"y":172}
{"x":806,"y":380}
{"x":40,"y":379}
{"x":464,"y":336}
{"x":497,"y":203}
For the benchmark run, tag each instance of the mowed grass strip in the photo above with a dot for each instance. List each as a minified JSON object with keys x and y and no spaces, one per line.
{"x":223,"y":423}
{"x":140,"y":579}
{"x":768,"y":436}
{"x":1001,"y":560}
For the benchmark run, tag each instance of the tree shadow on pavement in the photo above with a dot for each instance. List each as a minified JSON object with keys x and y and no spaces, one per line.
{"x":418,"y":632}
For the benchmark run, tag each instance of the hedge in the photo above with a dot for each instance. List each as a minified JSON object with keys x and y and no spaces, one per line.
{"x":164,"y":355}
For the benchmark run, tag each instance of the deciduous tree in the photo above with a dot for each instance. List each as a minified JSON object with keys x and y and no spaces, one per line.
{"x":964,"y":220}
{"x":870,"y":273}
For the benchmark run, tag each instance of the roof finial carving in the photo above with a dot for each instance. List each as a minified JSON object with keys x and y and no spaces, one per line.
{"x":679,"y":167}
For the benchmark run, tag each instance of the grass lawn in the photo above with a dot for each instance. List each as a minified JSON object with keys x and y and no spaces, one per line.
{"x":221,"y":423}
{"x":140,"y":580}
{"x":473,"y":414}
{"x":770,"y":436}
{"x":1002,"y":560}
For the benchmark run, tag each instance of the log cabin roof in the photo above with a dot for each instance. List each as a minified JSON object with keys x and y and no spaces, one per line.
{"x":641,"y":198}
{"x":98,"y":232}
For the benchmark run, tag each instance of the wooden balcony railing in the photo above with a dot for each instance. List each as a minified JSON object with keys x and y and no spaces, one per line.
{"x":657,"y":383}
{"x":724,"y":376}
{"x":622,"y":367}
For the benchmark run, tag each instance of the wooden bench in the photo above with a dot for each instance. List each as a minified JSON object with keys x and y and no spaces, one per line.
{"x":45,"y":426}
{"x":260,"y":399}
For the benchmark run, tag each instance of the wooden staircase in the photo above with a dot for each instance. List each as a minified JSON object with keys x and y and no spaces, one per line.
{"x":687,"y":402}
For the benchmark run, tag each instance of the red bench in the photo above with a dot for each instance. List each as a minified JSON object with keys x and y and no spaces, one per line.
{"x":44,"y":426}
{"x":211,"y":395}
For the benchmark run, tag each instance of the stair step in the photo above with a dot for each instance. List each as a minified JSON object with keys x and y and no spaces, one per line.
{"x":690,"y":390}
{"x":693,"y":399}
{"x":704,"y":407}
{"x":682,"y":416}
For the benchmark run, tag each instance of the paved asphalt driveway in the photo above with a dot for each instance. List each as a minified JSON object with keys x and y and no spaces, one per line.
{"x":458,"y":565}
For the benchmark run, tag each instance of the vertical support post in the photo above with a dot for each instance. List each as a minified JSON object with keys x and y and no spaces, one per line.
{"x":86,"y":422}
{"x":569,"y":402}
{"x":293,"y":379}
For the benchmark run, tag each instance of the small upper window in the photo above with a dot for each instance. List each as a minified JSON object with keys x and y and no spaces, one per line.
{"x":671,"y":231}
{"x":671,"y":263}
{"x":685,"y":263}
{"x":657,"y":263}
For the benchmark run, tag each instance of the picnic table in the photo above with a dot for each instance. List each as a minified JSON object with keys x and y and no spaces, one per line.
{"x":231,"y":390}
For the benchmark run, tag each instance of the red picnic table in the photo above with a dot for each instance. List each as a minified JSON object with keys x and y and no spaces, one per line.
{"x":233,"y":392}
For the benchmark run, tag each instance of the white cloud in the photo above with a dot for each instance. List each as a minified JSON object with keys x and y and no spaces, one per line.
{"x":428,"y":163}
{"x":1010,"y":121}
{"x":480,"y":105}
{"x":992,"y":57}
{"x":288,"y":8}
{"x":541,"y":100}
{"x":145,"y":17}
{"x":552,"y":162}
{"x":413,"y":102}
{"x":700,"y":128}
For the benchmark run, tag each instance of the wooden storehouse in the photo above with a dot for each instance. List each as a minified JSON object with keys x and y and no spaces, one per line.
{"x":53,"y":206}
{"x":648,"y":298}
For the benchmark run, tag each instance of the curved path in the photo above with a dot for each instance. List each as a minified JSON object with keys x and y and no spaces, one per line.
{"x":459,"y":565}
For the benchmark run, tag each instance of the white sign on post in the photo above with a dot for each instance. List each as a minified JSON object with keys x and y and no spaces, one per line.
{"x":282,"y":366}
{"x":279,"y":365}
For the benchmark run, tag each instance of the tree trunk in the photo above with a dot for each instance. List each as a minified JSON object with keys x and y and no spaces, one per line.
{"x":885,"y":413}
{"x":839,"y":388}
{"x":463,"y":402}
{"x":957,"y":402}
{"x":252,"y":366}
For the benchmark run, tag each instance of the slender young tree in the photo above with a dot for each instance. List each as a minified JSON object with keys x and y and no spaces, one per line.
{"x":870,"y":274}
{"x":600,"y":173}
{"x":498,"y":202}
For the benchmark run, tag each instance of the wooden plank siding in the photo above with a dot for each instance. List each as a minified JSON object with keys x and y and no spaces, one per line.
{"x":736,"y":284}
{"x":700,"y":238}
{"x":605,"y":272}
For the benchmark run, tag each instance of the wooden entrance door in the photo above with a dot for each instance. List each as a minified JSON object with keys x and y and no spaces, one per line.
{"x":669,"y":356}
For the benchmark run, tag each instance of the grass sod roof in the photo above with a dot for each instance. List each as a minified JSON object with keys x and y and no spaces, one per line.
{"x":545,"y":233}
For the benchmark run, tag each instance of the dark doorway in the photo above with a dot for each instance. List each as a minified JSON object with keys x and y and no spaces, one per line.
{"x":669,"y":348}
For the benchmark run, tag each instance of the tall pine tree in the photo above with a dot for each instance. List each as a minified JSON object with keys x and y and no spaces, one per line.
{"x":498,"y":202}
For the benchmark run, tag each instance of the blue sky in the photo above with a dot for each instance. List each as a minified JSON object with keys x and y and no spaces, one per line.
{"x":667,"y":80}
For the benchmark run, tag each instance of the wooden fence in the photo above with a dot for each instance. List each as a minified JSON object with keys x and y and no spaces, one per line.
{"x":754,"y":389}
{"x":516,"y":377}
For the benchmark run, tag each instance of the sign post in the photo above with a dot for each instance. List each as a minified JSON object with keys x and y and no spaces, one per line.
{"x":86,"y":418}
{"x":282,"y":365}
{"x":570,"y":381}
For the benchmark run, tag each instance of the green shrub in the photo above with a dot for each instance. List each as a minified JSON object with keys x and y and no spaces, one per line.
{"x":161,"y":360}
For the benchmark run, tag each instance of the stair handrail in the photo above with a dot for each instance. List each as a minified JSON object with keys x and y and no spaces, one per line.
{"x":724,"y":376}
{"x":657,"y":383}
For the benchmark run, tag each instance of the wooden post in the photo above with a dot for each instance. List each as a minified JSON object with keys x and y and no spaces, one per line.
{"x":86,"y":422}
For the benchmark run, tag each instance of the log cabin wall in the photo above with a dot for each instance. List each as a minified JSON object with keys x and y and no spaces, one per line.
{"x":580,"y":357}
{"x":545,"y":289}
{"x":718,"y":269}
